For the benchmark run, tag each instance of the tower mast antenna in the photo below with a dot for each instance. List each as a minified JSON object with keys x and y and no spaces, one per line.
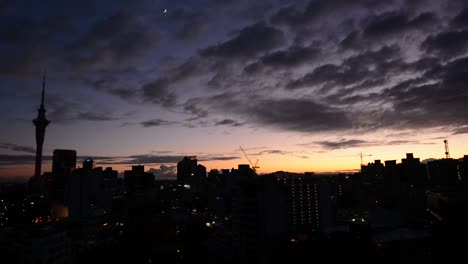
{"x":43,"y":88}
{"x":40,"y":123}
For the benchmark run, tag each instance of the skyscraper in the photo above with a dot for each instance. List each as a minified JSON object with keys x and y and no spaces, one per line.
{"x":41,"y":123}
{"x":64,"y":161}
{"x":190,"y":174}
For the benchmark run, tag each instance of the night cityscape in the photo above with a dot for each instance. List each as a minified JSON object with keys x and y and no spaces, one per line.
{"x":234,"y":131}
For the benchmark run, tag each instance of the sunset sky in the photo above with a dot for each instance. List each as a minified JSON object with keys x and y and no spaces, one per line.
{"x":300,"y":85}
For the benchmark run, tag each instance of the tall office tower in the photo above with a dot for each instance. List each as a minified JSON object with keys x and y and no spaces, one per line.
{"x":137,"y":181}
{"x":41,"y":123}
{"x":64,"y":161}
{"x":190,"y":174}
{"x":186,"y":169}
{"x":309,"y":204}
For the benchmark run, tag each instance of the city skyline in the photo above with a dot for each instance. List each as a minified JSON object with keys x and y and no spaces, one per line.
{"x":303,"y":86}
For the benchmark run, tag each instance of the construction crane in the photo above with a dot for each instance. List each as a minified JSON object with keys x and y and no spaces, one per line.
{"x":447,"y":154}
{"x":363,"y":155}
{"x":254,"y":167}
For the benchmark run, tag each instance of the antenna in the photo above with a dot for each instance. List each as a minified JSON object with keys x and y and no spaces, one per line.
{"x":43,"y":88}
{"x":447,"y":154}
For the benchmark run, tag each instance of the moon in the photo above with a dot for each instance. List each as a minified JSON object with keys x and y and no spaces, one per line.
{"x":165,"y":11}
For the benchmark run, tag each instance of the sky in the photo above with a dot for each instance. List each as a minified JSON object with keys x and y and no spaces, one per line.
{"x":299,"y":85}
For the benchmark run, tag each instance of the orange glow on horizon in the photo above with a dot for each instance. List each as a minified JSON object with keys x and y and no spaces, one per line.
{"x":337,"y":160}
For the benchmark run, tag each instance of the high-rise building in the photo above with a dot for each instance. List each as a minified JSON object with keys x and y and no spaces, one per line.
{"x":186,"y":169}
{"x":309,"y":204}
{"x":190,"y":174}
{"x":64,"y":161}
{"x":41,"y":123}
{"x":85,"y":187}
{"x":444,"y":172}
{"x":88,"y":164}
{"x":137,"y":180}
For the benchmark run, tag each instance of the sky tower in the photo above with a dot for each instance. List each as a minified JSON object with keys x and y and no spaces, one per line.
{"x":41,"y":123}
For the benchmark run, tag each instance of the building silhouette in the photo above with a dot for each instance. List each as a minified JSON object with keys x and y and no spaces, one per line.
{"x":41,"y":123}
{"x":138,"y":181}
{"x":85,"y":185}
{"x":63,"y":161}
{"x":190,"y":174}
{"x":444,"y":172}
{"x":63,"y":164}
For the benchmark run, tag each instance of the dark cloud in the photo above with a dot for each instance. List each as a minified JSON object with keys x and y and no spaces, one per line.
{"x":296,"y":154}
{"x":249,"y":42}
{"x":61,"y":114}
{"x":228,"y":122}
{"x":447,"y":44}
{"x":298,"y":115}
{"x":343,"y":144}
{"x":4,"y":7}
{"x":214,"y":157}
{"x":358,"y":143}
{"x":273,"y":151}
{"x":437,"y":97}
{"x":346,"y":65}
{"x":461,"y":20}
{"x":190,"y":68}
{"x":68,"y":114}
{"x":253,"y":68}
{"x":135,"y":159}
{"x":20,"y":159}
{"x":192,"y":107}
{"x":62,"y":111}
{"x":406,"y":142}
{"x":158,"y":159}
{"x":19,"y":57}
{"x":24,"y":30}
{"x":73,"y":43}
{"x":291,"y":57}
{"x":289,"y":15}
{"x":335,"y":74}
{"x":298,"y":16}
{"x":352,"y":41}
{"x":158,"y":92}
{"x":355,"y":69}
{"x":157,"y":122}
{"x":123,"y":93}
{"x":193,"y":23}
{"x":183,"y":13}
{"x":17,"y":148}
{"x":396,"y":22}
{"x":110,"y":160}
{"x":192,"y":29}
{"x":423,"y":103}
{"x":115,"y":39}
{"x":112,"y":86}
{"x":461,"y":130}
{"x":93,"y":116}
{"x":303,"y":115}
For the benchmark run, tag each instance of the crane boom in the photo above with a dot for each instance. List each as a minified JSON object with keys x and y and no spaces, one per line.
{"x":364,"y":155}
{"x":254,"y":167}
